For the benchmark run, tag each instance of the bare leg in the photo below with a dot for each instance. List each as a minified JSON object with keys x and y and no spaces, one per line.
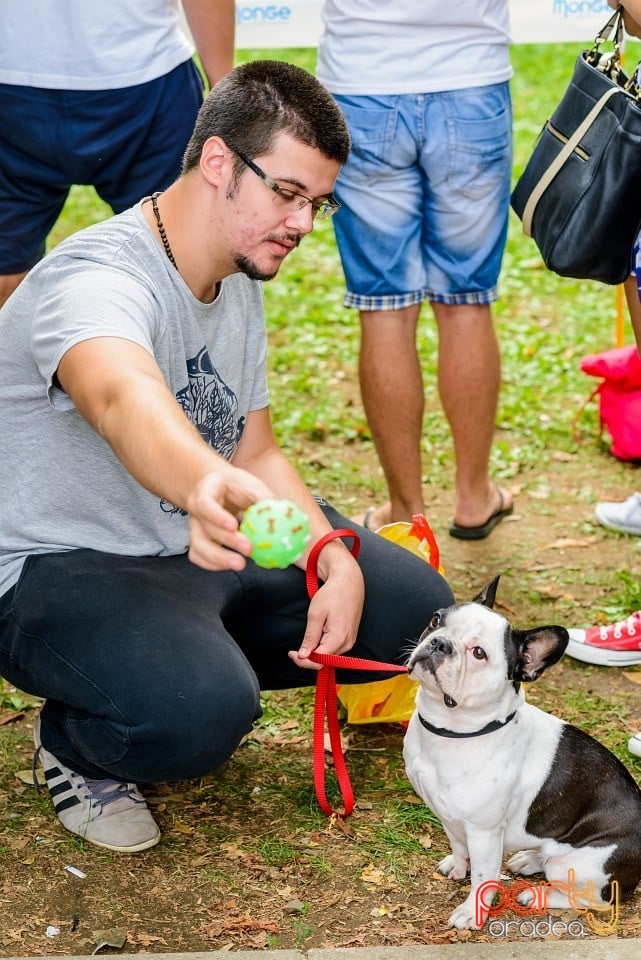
{"x":634,"y":306}
{"x":8,"y":283}
{"x":469,"y":375}
{"x":392,"y":391}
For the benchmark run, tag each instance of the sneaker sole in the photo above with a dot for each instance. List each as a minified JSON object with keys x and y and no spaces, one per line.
{"x":618,"y":527}
{"x":106,"y":846}
{"x":602,"y":657}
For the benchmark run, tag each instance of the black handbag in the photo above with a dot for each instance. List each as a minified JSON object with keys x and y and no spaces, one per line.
{"x":579,"y":196}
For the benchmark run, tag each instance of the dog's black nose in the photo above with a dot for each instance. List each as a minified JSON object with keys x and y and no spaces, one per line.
{"x":442,"y":645}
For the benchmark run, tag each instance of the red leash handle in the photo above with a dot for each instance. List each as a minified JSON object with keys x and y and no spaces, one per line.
{"x":311,"y":573}
{"x":326,"y":701}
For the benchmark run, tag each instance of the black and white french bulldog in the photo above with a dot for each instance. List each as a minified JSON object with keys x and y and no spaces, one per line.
{"x":505,"y":777}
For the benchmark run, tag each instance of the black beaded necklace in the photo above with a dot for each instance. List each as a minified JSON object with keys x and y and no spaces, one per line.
{"x":161,"y":228}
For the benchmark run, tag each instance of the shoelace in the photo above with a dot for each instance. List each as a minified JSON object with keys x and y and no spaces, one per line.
{"x":99,"y":791}
{"x":629,"y":625}
{"x":106,"y":791}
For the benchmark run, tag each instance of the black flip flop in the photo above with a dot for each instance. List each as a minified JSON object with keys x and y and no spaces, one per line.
{"x":367,"y":519}
{"x":484,"y":529}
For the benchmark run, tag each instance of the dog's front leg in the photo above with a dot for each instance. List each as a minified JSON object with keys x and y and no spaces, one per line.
{"x":457,"y":864}
{"x":485,"y":850}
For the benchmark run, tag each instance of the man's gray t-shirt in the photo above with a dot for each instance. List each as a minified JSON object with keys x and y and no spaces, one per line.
{"x":61,"y":485}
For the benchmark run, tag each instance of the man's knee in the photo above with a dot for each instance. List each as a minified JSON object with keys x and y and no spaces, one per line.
{"x":196,"y":733}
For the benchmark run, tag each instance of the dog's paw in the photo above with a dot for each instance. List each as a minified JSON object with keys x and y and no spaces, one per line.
{"x":452,"y":868}
{"x":464,"y":917}
{"x":556,"y":900}
{"x":526,"y":897}
{"x":525,"y":862}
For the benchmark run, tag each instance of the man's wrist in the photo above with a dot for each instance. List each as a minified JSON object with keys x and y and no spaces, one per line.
{"x":331,"y":550}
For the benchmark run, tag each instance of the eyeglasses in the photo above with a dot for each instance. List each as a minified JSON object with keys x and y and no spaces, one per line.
{"x":322,"y":207}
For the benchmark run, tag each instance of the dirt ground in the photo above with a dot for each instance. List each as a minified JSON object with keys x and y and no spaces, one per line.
{"x":247,"y":860}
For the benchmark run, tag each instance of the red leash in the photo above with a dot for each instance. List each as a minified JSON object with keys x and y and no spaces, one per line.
{"x":326,"y":702}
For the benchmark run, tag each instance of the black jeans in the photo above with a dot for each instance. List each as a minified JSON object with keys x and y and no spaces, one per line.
{"x":152,"y":667}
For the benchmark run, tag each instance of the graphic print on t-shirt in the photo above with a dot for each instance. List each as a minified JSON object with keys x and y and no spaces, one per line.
{"x":212,"y":407}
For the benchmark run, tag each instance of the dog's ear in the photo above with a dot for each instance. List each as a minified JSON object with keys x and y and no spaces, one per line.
{"x":487,"y":595}
{"x":538,"y":649}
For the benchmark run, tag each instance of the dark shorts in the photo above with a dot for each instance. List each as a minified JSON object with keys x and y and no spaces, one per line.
{"x":126,"y":143}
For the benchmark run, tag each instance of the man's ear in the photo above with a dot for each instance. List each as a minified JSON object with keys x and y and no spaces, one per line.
{"x":214,"y":156}
{"x":537,"y":650}
{"x":487,"y":595}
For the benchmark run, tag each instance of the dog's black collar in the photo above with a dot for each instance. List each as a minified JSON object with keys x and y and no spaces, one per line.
{"x":488,"y":728}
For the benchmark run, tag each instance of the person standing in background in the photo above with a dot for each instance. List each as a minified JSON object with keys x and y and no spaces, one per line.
{"x":618,"y":644}
{"x":105,"y":95}
{"x":425,"y":197}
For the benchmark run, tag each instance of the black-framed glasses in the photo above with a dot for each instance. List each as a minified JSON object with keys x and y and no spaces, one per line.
{"x":322,"y":207}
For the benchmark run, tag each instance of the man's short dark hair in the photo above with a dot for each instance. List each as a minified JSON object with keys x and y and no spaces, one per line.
{"x":257,"y":101}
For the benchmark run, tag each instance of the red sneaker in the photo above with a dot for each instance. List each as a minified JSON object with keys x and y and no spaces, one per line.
{"x":618,"y":645}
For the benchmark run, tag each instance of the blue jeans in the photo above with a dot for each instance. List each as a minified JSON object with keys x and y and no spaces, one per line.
{"x":152,"y":667}
{"x":425,"y":197}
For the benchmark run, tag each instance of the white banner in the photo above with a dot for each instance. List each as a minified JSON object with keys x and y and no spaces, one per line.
{"x":297,"y":23}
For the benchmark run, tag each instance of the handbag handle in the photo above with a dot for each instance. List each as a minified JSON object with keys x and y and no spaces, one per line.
{"x":561,"y":157}
{"x":614,"y":23}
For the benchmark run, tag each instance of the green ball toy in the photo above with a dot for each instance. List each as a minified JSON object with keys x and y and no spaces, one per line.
{"x":278,"y":530}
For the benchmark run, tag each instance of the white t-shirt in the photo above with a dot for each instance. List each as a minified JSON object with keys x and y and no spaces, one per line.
{"x":373,"y":47}
{"x":89,"y":44}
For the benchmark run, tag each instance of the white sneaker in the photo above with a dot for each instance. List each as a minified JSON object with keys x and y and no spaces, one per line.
{"x":624,"y":516}
{"x":108,"y":813}
{"x":634,"y":744}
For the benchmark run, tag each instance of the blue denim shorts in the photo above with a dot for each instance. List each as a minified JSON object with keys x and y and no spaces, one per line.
{"x":126,"y":143}
{"x":425,"y":197}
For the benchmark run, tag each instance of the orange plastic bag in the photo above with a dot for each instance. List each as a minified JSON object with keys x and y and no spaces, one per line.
{"x":392,"y":700}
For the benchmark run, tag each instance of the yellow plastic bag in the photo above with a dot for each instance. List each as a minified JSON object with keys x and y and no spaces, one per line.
{"x":392,"y":700}
{"x":381,"y":701}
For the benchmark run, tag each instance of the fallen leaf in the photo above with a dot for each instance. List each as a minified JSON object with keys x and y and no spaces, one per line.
{"x":294,"y":906}
{"x":551,"y":590}
{"x":344,"y":740}
{"x":243,"y":924}
{"x":146,"y":939}
{"x":181,"y":827}
{"x":11,"y":717}
{"x":372,"y":874}
{"x":564,"y":542}
{"x":109,"y":938}
{"x":25,"y":776}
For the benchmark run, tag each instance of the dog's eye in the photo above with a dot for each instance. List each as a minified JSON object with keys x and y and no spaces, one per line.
{"x":435,"y":621}
{"x":479,"y":653}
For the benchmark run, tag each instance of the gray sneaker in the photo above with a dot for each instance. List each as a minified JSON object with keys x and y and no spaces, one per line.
{"x":108,"y":813}
{"x":624,"y":516}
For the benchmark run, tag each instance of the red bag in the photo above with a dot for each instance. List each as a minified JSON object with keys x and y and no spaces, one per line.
{"x":619,"y":398}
